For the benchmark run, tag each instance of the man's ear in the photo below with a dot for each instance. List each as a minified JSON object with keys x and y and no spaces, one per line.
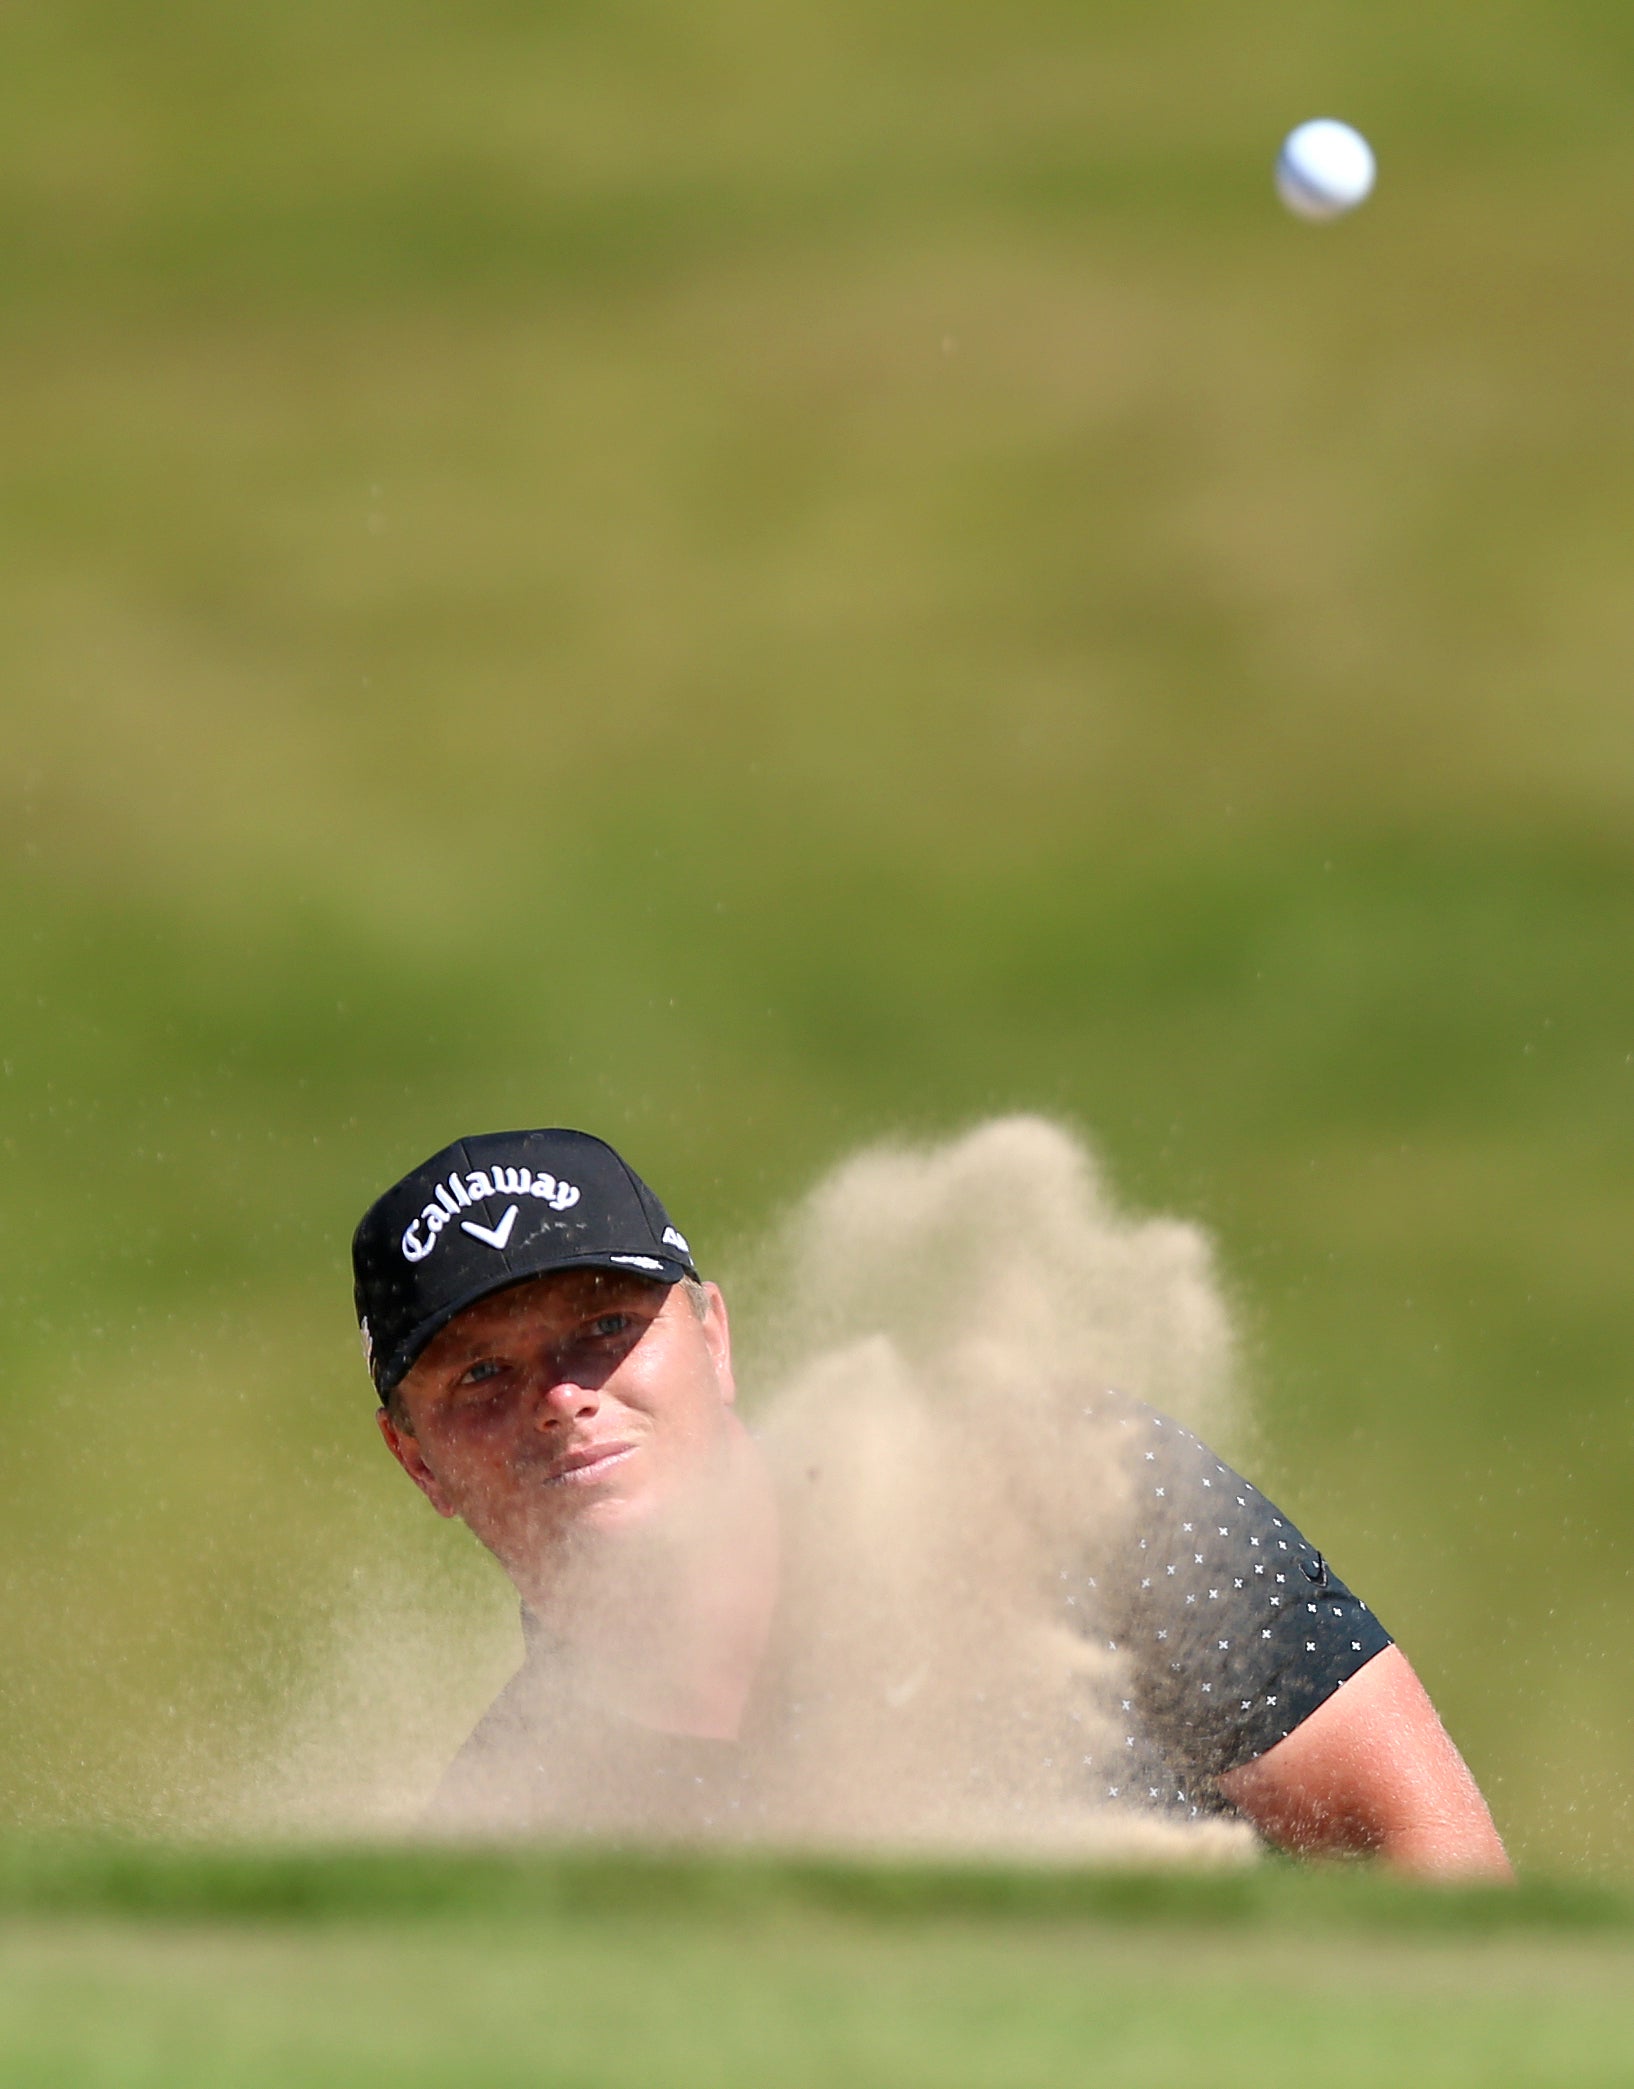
{"x":406,"y":1450}
{"x":718,"y":1335}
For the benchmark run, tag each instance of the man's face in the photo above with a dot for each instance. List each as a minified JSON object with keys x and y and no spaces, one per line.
{"x":582,"y":1402}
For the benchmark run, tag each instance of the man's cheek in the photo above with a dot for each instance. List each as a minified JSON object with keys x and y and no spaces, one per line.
{"x":481,"y":1496}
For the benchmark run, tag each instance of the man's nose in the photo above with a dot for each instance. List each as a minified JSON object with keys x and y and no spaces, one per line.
{"x":563,"y":1397}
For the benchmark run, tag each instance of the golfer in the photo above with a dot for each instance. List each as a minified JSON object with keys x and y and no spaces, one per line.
{"x":552,"y":1371}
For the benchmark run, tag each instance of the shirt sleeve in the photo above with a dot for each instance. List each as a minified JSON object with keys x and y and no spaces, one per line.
{"x":1236,"y":1627}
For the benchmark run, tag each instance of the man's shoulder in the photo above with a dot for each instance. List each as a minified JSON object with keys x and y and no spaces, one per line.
{"x":499,"y":1757}
{"x":1140,"y":1472}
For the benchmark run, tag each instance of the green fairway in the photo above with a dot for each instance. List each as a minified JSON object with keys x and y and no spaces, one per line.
{"x":139,"y":1970}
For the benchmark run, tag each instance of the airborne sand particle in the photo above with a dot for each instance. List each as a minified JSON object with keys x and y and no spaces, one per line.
{"x":933,"y":1325}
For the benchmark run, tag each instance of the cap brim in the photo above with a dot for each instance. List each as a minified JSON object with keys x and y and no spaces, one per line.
{"x":659,"y":1269}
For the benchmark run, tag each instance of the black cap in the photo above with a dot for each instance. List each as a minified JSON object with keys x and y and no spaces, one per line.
{"x":492,"y":1211}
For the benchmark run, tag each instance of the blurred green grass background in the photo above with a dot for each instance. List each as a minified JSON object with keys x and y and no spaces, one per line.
{"x":759,"y":578}
{"x":154,"y":1970}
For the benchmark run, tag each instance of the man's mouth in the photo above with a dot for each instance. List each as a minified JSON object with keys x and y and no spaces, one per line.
{"x":587,"y":1464}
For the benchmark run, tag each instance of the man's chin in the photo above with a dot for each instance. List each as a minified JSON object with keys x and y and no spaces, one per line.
{"x":615,"y":1509}
{"x":620,"y":1503}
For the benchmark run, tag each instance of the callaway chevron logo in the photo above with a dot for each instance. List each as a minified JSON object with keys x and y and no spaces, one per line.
{"x":493,"y":1236}
{"x":461,"y":1193}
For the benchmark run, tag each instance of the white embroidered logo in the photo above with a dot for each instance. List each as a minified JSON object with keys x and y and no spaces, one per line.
{"x":460,"y":1193}
{"x":672,"y":1239}
{"x":496,"y":1236}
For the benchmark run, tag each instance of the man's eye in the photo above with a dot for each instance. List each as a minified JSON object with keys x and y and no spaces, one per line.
{"x":606,"y":1325}
{"x":480,"y":1373}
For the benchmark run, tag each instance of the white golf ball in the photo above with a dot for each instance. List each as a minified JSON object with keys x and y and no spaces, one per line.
{"x":1324,"y":169}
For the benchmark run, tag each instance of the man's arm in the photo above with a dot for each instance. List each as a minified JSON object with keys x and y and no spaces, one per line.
{"x":1373,"y":1769}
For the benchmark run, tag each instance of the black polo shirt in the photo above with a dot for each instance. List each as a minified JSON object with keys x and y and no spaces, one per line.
{"x":1234,"y":1627}
{"x":1229,"y":1628}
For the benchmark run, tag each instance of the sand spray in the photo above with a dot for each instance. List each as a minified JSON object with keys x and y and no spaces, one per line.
{"x":920,"y":1344}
